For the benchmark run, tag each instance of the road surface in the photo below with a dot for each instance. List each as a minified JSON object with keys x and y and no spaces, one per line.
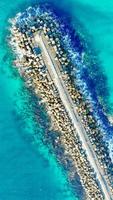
{"x":53,"y":68}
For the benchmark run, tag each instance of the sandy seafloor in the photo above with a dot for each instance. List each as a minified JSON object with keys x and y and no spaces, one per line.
{"x":27,"y":170}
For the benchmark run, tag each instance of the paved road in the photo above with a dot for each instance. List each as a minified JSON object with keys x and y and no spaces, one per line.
{"x":55,"y":73}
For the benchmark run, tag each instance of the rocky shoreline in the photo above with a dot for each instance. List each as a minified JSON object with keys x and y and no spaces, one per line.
{"x":32,"y":67}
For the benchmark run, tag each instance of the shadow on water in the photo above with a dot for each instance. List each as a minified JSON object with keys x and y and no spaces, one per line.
{"x":81,"y":41}
{"x":95,"y":79}
{"x":49,"y":137}
{"x":22,"y":115}
{"x":92,"y":74}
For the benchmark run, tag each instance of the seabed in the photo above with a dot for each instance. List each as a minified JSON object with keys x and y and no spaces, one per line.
{"x":43,"y":61}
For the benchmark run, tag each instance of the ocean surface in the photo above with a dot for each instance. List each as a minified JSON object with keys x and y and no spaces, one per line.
{"x":28,"y":169}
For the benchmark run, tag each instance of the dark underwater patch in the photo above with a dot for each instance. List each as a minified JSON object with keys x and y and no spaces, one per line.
{"x":92,"y":74}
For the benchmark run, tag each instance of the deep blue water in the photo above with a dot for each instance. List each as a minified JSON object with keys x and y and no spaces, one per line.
{"x":28,"y":171}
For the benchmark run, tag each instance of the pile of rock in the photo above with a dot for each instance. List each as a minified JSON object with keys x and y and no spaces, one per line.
{"x":35,"y":72}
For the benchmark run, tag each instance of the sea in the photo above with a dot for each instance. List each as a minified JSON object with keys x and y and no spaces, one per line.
{"x":29,"y":170}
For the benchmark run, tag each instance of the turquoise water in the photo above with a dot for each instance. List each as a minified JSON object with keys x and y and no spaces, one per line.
{"x":28,"y":171}
{"x":96,"y":19}
{"x":93,"y":20}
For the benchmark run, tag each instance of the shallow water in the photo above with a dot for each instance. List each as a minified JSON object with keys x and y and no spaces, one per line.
{"x":27,"y":170}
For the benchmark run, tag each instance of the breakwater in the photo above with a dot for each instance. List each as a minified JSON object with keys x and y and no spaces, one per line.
{"x":32,"y":66}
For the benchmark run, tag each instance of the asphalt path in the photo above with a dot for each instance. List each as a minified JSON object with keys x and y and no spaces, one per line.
{"x":54,"y":71}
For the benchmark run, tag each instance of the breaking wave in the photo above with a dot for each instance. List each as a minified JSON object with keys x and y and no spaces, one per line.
{"x":86,"y":78}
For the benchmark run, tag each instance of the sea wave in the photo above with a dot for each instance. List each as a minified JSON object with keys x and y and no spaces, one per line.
{"x":79,"y":71}
{"x":102,"y":119}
